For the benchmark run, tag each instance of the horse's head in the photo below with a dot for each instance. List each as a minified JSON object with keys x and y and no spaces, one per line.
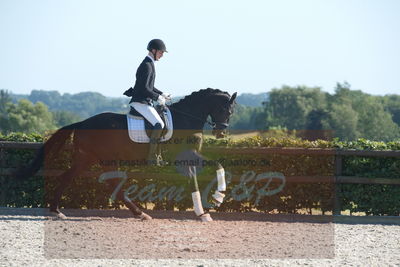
{"x":221,"y":109}
{"x":192,"y":111}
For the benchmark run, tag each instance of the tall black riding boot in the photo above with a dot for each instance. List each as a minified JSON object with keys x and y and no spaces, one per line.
{"x":153,"y":158}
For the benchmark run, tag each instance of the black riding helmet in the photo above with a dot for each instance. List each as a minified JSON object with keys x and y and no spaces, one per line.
{"x":157,"y":44}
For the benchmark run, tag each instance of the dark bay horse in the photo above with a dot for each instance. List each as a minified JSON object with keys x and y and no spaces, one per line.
{"x":104,"y":137}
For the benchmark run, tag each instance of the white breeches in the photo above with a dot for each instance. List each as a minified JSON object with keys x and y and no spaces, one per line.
{"x":148,"y":112}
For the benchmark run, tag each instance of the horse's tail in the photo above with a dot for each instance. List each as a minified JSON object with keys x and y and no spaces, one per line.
{"x":55,"y":143}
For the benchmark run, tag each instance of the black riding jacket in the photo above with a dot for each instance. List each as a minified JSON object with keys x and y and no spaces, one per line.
{"x":144,"y":90}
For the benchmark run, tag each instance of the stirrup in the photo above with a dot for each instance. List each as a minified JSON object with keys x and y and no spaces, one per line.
{"x":155,"y":161}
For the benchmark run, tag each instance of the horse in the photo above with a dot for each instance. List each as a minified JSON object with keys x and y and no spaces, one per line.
{"x":105,"y":136}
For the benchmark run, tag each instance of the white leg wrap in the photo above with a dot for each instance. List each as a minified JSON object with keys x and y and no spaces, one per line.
{"x":219,"y":197}
{"x":221,"y":179}
{"x":206,"y":218}
{"x":198,"y":207}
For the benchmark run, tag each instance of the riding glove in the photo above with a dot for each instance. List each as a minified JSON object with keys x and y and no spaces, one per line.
{"x":166,"y":96}
{"x":161,"y":100}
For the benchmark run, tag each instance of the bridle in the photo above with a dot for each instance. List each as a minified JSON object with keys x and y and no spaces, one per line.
{"x":214,"y":125}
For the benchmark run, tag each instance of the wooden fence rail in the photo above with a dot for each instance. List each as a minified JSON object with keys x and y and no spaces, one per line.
{"x":338,"y":155}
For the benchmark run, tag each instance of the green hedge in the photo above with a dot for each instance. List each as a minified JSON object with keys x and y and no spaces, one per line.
{"x":87,"y":192}
{"x":371,"y":199}
{"x":368,"y":198}
{"x":29,"y":192}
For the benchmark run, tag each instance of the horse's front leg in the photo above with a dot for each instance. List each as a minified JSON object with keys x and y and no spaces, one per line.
{"x":219,"y":194}
{"x":196,"y":196}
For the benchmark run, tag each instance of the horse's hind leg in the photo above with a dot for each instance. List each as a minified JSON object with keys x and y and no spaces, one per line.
{"x":137,"y":212}
{"x":64,"y":180}
{"x":79,"y":164}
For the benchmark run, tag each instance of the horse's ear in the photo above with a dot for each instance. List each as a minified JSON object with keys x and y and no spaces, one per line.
{"x":233,"y":97}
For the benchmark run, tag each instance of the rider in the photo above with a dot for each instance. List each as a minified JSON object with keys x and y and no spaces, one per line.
{"x":144,"y":93}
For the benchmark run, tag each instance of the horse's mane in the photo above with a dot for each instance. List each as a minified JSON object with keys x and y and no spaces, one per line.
{"x":200,"y":94}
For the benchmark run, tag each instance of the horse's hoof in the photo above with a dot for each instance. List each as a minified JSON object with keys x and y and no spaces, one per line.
{"x":206,"y":217}
{"x":58,"y":215}
{"x":144,"y":217}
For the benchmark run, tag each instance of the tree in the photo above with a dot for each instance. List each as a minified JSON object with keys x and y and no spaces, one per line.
{"x":27,"y":117}
{"x":289,"y":107}
{"x":374,"y":122}
{"x":317,"y":119}
{"x":52,"y":99}
{"x":391,"y":104}
{"x":63,"y":118}
{"x":5,"y":101}
{"x":344,"y":121}
{"x":247,"y":118}
{"x":355,"y":114}
{"x":83,"y":104}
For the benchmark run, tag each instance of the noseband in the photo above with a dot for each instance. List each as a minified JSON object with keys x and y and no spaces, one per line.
{"x":220,"y":125}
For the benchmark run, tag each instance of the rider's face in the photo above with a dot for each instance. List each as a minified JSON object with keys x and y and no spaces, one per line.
{"x":159,"y":54}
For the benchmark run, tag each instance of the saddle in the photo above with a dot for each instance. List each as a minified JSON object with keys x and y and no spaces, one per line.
{"x":140,"y":128}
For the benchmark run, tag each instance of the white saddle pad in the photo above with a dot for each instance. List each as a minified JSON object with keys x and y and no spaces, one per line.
{"x":137,"y":131}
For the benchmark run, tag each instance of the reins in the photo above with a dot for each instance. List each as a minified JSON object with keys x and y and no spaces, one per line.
{"x":212,"y":124}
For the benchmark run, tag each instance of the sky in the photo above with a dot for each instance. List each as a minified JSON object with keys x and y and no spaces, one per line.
{"x":241,"y":46}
